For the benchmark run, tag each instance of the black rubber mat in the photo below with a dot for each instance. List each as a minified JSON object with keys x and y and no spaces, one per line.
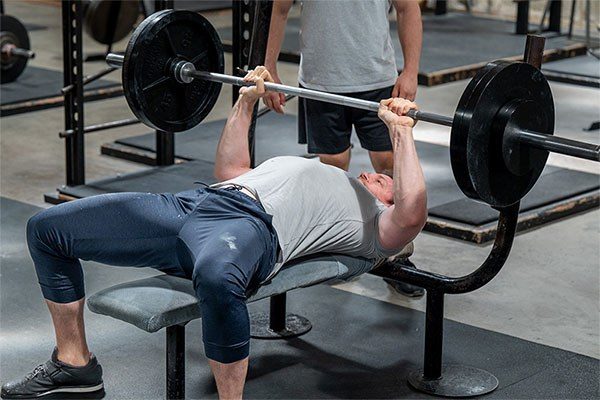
{"x":276,"y":136}
{"x":581,"y":70}
{"x":202,"y":5}
{"x":39,"y":88}
{"x":172,"y":179}
{"x":35,"y":27}
{"x":450,"y":42}
{"x":555,"y":185}
{"x":358,"y":347}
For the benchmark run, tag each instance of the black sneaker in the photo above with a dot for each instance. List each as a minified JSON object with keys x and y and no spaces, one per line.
{"x":405,"y":289}
{"x":55,"y":379}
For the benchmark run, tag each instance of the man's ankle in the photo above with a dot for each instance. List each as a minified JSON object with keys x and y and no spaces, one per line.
{"x":74,"y":359}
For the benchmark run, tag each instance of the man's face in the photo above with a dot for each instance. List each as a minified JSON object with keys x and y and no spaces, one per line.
{"x":380,"y":186}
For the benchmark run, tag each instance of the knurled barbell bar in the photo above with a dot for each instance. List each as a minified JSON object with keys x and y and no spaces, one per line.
{"x":502,"y":129}
{"x":14,"y":48}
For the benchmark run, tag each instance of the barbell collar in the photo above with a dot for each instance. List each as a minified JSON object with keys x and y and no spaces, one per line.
{"x":558,"y":144}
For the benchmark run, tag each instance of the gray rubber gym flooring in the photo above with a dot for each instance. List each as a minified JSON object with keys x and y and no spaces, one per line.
{"x":358,"y":348}
{"x":581,"y":70}
{"x":586,"y":65}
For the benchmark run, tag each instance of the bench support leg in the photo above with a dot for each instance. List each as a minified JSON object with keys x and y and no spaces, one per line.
{"x":446,"y":380}
{"x":175,"y":362}
{"x":277,"y":324}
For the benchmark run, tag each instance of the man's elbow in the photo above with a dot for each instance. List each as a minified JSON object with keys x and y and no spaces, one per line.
{"x":415,"y":222}
{"x":222,"y":173}
{"x":412,"y":219}
{"x":226,"y":173}
{"x":414,"y":225}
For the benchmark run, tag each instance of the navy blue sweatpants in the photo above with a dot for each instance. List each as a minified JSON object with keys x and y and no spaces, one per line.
{"x":221,"y":239}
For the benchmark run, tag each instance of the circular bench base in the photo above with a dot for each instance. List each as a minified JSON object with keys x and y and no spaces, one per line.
{"x":295,"y":325}
{"x":456,"y":381}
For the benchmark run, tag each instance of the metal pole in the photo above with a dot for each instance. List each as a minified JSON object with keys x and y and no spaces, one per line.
{"x":572,"y":18}
{"x":522,"y":25}
{"x":72,"y":14}
{"x":175,"y":362}
{"x":277,"y":312}
{"x":100,"y":127}
{"x":534,"y":50}
{"x":587,"y":23}
{"x":434,"y":335}
{"x":315,"y":95}
{"x":555,"y":15}
{"x":165,"y":148}
{"x":89,"y":79}
{"x":557,"y":144}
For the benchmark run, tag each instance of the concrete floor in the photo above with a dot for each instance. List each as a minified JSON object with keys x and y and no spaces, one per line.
{"x":547,"y":293}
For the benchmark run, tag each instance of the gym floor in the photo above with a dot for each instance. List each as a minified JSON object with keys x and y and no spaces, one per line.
{"x":548,"y":292}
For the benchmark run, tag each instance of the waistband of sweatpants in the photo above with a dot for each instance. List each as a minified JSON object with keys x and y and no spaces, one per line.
{"x":238,"y":189}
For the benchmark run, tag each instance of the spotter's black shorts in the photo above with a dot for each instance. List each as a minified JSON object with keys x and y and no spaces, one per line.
{"x":327,"y":127}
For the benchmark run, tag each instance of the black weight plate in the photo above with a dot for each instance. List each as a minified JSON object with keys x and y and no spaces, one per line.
{"x":460,"y":130}
{"x":478,"y":132}
{"x":12,"y":31}
{"x":98,"y":19}
{"x":152,"y":92}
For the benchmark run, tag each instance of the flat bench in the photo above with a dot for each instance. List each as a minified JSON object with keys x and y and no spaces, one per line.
{"x":165,"y":301}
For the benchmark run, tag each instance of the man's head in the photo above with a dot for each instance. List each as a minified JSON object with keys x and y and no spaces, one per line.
{"x":380,"y":186}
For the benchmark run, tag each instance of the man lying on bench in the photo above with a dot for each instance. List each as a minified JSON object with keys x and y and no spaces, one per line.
{"x":227,"y":238}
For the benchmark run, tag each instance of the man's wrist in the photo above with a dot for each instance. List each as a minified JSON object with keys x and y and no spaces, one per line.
{"x":398,"y":131}
{"x":246,"y":104}
{"x":410,"y":71}
{"x":271,"y":67}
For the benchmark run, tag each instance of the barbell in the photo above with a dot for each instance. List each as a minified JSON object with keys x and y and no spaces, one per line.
{"x":14,"y":48}
{"x":502,"y":129}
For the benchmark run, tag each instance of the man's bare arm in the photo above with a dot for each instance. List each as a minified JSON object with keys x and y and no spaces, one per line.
{"x":410,"y":34}
{"x":279,"y":16}
{"x":402,"y":222}
{"x":233,"y":155}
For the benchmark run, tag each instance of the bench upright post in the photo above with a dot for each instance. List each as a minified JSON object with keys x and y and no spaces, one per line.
{"x":176,"y":362}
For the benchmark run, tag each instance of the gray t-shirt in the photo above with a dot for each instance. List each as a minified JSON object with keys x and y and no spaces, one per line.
{"x":316,"y":208}
{"x":346,"y":46}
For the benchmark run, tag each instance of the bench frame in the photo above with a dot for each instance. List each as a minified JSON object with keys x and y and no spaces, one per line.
{"x":175,"y":343}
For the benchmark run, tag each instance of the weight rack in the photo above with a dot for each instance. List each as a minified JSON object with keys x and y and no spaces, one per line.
{"x":250,"y":19}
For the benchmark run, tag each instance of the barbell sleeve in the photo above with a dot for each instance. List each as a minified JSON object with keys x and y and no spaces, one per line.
{"x":115,"y":60}
{"x":558,"y":144}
